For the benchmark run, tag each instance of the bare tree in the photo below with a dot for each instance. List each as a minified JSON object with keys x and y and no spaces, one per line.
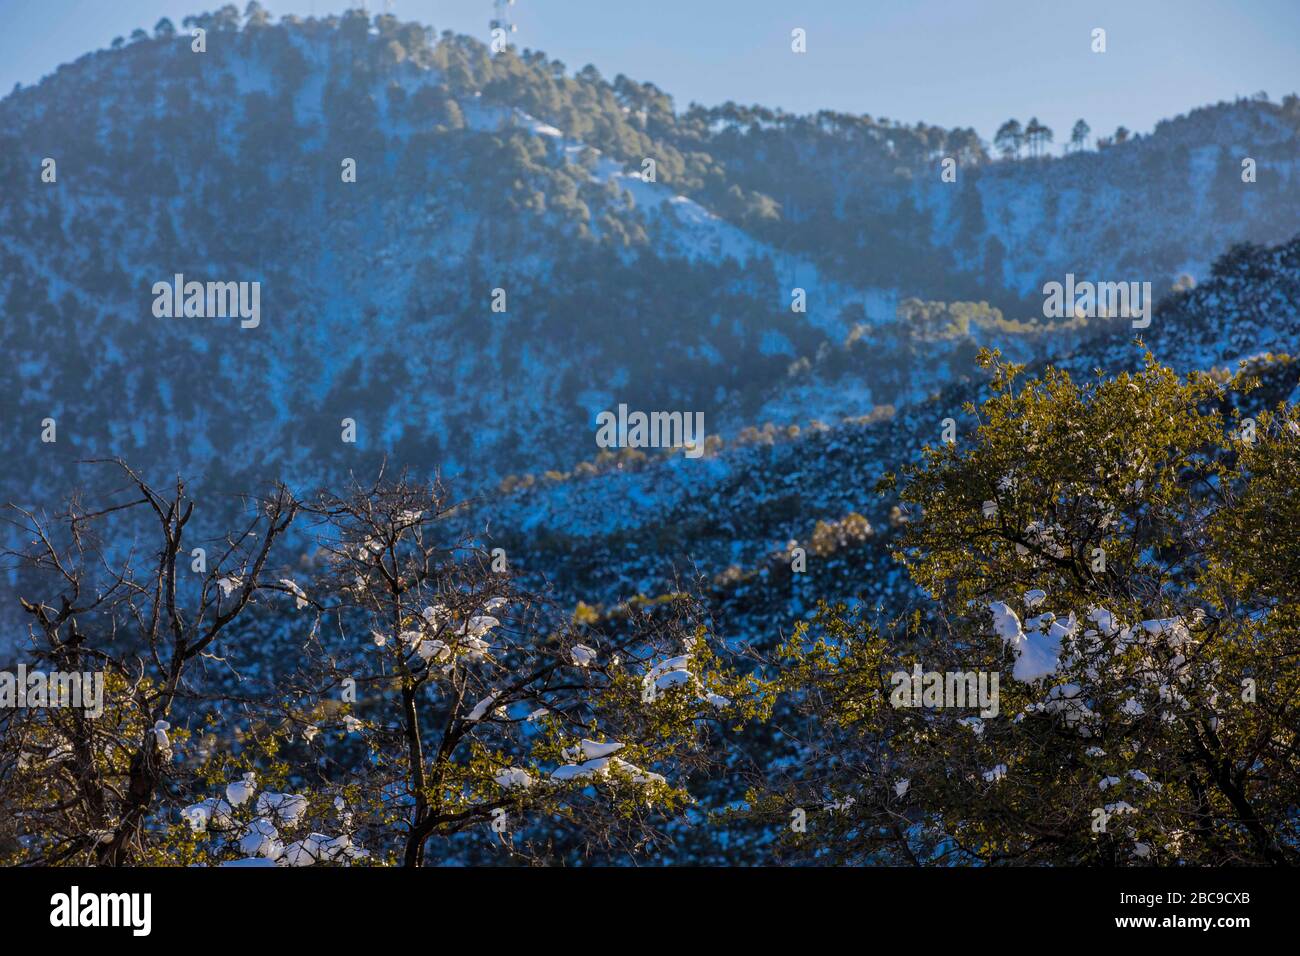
{"x":408,"y":693}
{"x":481,"y":705}
{"x":133,"y":618}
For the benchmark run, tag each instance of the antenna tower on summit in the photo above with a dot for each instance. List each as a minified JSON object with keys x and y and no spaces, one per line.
{"x":501,"y":16}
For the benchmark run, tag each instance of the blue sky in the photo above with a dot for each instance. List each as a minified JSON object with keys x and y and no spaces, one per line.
{"x":948,"y":62}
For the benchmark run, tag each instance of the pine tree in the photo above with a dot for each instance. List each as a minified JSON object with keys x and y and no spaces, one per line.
{"x":1079,"y":135}
{"x":1009,"y":139}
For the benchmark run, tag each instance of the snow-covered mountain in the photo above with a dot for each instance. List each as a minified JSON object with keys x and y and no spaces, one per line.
{"x":730,"y":516}
{"x":726,"y":526}
{"x":504,"y":267}
{"x":462,"y":258}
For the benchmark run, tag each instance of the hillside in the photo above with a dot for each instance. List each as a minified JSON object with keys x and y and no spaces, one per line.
{"x":478,"y":172}
{"x":646,"y":526}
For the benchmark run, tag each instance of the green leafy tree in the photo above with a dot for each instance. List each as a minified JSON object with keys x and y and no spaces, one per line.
{"x":1110,"y":550}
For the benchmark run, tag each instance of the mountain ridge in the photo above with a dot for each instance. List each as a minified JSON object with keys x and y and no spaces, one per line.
{"x":589,"y":255}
